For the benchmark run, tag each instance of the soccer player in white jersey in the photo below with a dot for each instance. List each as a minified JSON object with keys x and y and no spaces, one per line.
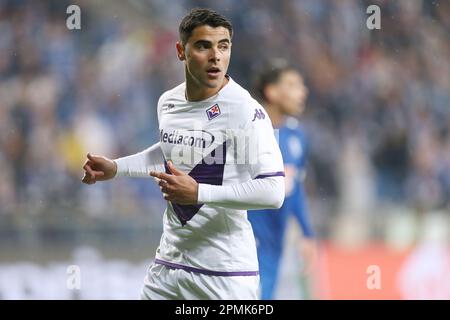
{"x":217,"y":157}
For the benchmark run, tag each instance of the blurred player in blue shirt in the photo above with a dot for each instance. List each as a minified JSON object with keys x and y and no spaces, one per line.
{"x":283,"y":93}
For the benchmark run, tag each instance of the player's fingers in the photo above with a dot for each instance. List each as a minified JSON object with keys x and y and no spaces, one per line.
{"x":155,"y":175}
{"x":87,"y":162}
{"x":89,"y":170}
{"x":99,"y":160}
{"x":165,"y":189}
{"x":162,"y":183}
{"x":162,"y":175}
{"x":173,"y":169}
{"x":169,"y":178}
{"x":93,"y":173}
{"x":92,"y":157}
{"x":86,"y":179}
{"x":99,"y":174}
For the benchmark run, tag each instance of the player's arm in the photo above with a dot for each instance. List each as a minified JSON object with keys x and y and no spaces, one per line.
{"x":140,"y":164}
{"x":264,"y":193}
{"x":179,"y":187}
{"x":100,"y":168}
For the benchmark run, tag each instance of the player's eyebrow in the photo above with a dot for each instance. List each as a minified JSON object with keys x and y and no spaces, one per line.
{"x":204,"y":42}
{"x":207,"y":42}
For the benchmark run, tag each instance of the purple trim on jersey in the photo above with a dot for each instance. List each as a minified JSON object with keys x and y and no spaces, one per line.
{"x":210,"y":171}
{"x":272,"y":174}
{"x":207,"y":272}
{"x":185,"y":212}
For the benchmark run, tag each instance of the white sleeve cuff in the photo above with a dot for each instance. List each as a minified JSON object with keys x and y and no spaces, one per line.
{"x":122,"y":168}
{"x":204,"y":193}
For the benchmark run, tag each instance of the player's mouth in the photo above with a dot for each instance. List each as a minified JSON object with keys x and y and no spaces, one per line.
{"x":213,"y":72}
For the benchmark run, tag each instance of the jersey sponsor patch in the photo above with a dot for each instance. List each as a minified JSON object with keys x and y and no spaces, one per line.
{"x":213,"y":112}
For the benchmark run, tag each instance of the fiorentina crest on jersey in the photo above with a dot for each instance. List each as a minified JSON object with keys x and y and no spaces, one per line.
{"x":213,"y":112}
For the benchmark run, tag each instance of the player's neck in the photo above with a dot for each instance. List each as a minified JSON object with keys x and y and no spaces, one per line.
{"x":197,"y":92}
{"x":275,"y":115}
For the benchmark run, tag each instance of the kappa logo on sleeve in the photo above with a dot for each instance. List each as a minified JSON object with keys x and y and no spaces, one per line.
{"x":167,"y":107}
{"x":259,"y":114}
{"x":213,"y":112}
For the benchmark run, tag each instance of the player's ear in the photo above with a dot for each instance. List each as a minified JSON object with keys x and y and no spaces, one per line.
{"x":180,"y":51}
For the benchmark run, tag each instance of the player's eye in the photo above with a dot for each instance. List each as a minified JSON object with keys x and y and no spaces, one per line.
{"x":202,"y":46}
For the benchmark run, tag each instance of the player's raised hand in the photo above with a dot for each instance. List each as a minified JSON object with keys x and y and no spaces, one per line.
{"x":98,"y":168}
{"x":177,"y":187}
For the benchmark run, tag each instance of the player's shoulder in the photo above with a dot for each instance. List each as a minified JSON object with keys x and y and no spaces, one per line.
{"x":234,"y":94}
{"x":241,"y":103}
{"x":175,"y":93}
{"x":171,"y":97}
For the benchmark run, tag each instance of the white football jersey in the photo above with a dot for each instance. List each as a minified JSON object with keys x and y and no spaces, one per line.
{"x":207,"y":140}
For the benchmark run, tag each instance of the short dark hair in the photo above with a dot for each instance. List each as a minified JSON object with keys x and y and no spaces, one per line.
{"x":270,"y":74}
{"x":200,"y":17}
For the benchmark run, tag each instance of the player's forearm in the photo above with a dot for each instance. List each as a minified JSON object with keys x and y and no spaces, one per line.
{"x":266,"y":193}
{"x":140,"y":164}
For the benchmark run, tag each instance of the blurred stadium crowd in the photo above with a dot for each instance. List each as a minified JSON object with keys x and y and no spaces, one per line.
{"x":378,"y":112}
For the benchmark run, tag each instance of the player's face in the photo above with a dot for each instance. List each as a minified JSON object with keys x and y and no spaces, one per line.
{"x":207,"y":56}
{"x":291,"y":93}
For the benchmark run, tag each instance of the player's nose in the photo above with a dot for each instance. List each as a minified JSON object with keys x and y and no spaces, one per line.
{"x":215,"y":54}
